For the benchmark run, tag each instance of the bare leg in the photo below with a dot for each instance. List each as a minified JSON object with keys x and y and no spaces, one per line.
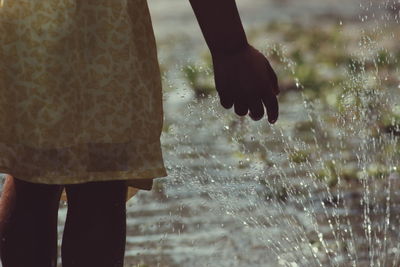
{"x":95,"y":227}
{"x":28,"y":223}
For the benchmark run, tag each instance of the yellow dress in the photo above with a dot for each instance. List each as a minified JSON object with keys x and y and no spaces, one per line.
{"x":80,"y":92}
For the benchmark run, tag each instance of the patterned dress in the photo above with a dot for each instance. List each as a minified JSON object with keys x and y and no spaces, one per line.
{"x":80,"y":92}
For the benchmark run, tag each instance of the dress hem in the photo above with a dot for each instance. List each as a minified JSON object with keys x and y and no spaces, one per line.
{"x":130,"y":176}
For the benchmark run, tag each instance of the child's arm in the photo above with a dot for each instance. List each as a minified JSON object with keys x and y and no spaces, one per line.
{"x":243,"y":76}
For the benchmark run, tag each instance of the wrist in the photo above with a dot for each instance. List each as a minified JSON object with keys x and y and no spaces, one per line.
{"x":229,"y":49}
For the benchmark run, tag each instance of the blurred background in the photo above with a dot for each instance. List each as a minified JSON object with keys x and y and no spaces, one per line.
{"x":318,"y":188}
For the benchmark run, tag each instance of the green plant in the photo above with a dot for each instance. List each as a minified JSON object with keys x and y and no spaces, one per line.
{"x":200,"y":80}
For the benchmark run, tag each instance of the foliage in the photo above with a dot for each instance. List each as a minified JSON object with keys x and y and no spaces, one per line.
{"x":200,"y":80}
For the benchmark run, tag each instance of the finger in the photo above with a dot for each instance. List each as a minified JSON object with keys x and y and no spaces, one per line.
{"x":256,"y":109}
{"x":240,"y":99}
{"x":225,"y":99}
{"x":222,"y":86}
{"x":273,"y":79}
{"x":241,"y":108}
{"x":271,"y":104}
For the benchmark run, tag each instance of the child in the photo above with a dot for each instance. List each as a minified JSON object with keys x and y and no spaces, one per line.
{"x":81,"y":111}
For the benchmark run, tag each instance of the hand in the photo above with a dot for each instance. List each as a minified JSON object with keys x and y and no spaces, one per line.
{"x":247,"y":81}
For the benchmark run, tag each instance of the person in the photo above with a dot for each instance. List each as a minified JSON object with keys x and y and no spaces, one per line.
{"x":81,"y":117}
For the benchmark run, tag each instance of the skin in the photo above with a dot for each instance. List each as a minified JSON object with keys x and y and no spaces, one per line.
{"x":94,"y":231}
{"x":95,"y":228}
{"x":244,"y":78}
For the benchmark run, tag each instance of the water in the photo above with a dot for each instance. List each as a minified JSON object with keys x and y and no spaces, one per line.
{"x":283,"y":207}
